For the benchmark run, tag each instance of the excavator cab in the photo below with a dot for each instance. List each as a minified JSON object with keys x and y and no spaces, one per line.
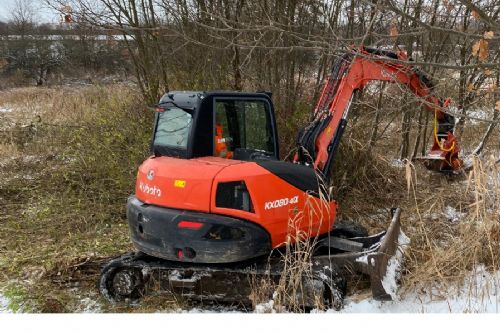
{"x":238,"y":126}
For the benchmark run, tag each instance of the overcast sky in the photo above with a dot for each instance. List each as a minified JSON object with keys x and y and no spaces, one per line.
{"x":43,"y":14}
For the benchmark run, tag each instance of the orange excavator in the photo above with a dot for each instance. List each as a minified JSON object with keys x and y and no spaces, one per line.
{"x":214,"y":207}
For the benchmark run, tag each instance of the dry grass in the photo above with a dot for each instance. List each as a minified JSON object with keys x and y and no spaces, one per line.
{"x":445,"y":252}
{"x":68,"y":158}
{"x":67,"y":164}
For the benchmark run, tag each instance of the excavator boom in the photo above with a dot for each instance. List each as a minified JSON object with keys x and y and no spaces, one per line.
{"x":318,"y":142}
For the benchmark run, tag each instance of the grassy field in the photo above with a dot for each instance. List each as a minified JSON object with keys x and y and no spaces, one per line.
{"x":68,"y":159}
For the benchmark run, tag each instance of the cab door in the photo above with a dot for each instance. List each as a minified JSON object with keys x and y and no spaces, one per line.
{"x":244,"y":129}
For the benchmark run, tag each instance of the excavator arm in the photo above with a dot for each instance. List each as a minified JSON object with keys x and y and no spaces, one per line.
{"x":318,"y":141}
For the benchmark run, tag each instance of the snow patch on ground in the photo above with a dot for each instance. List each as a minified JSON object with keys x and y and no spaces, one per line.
{"x":89,"y":305}
{"x":477,"y":293}
{"x":397,"y":163}
{"x":478,"y":115}
{"x":5,"y":109}
{"x":475,"y":116}
{"x":4,"y":304}
{"x":267,"y":307}
{"x":213,"y":309}
{"x":452,"y":214}
{"x":467,"y":162}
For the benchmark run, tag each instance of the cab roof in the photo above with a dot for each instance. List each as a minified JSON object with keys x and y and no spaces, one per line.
{"x":190,"y":99}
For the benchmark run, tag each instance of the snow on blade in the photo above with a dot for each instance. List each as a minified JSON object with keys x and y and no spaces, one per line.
{"x":390,"y":280}
{"x":362,"y":259}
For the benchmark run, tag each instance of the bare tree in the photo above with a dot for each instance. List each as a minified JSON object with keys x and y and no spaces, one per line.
{"x":287,"y":46}
{"x":29,"y":47}
{"x":22,"y":18}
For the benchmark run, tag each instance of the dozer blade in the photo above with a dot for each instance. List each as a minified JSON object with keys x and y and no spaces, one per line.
{"x":380,"y":259}
{"x":385,"y":264}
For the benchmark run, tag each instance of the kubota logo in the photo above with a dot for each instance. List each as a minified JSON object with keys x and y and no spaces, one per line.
{"x":147,"y":189}
{"x":151,"y":175}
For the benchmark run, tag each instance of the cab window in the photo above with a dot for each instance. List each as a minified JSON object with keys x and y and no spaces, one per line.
{"x":242,"y":128}
{"x":173,"y":128}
